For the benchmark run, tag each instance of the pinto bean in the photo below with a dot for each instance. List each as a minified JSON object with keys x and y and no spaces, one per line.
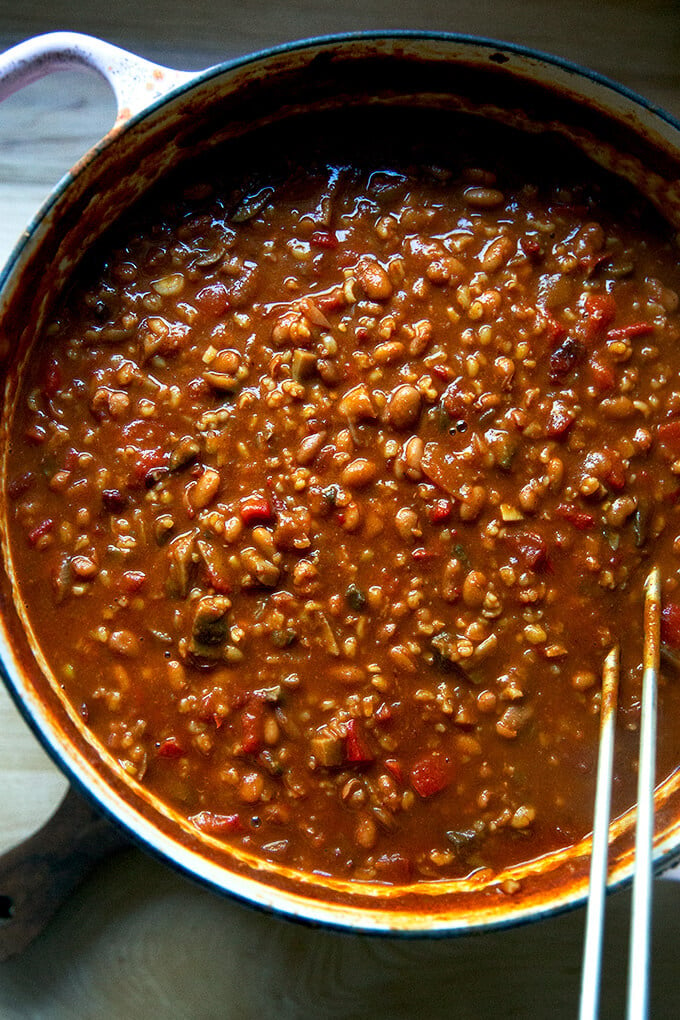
{"x":483,"y":198}
{"x":359,"y":473}
{"x":403,"y":407}
{"x":206,"y":489}
{"x":374,"y":280}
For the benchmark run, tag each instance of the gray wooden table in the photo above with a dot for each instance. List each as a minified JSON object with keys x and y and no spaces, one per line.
{"x":137,"y":941}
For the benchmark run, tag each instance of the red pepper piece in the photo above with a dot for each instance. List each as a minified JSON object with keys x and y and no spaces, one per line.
{"x":170,"y":748}
{"x":132,"y":580}
{"x":216,"y":580}
{"x":19,"y":486}
{"x":35,"y":434}
{"x":670,"y":625}
{"x":603,"y":375}
{"x":454,"y":400}
{"x":560,"y":420}
{"x":591,"y":263}
{"x":431,"y":774}
{"x":600,"y":310}
{"x":440,"y":511}
{"x":324,"y":239}
{"x":531,"y":548}
{"x":43,"y":528}
{"x":114,"y":501}
{"x":630,"y":332}
{"x":383,"y":713}
{"x":52,"y":382}
{"x":532,"y":248}
{"x":553,"y":327}
{"x":615,"y":475}
{"x":71,"y":459}
{"x":668,"y":435}
{"x":422,"y":555}
{"x":579,"y":518}
{"x":252,"y":727}
{"x":213,"y":299}
{"x":564,"y":358}
{"x":332,"y":301}
{"x":207,"y":821}
{"x":395,"y":868}
{"x":356,"y":745}
{"x":148,"y":468}
{"x":394,"y":766}
{"x":256,"y":509}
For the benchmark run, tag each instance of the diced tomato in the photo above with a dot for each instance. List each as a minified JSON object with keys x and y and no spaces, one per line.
{"x":553,"y":327}
{"x":52,"y":380}
{"x":256,"y":509}
{"x":394,"y":766}
{"x":600,"y":310}
{"x":132,"y":580}
{"x":670,"y":624}
{"x":114,"y":501}
{"x":564,"y":358}
{"x":331,"y":301}
{"x":454,"y":400}
{"x":421,"y":554}
{"x":210,"y":822}
{"x":631,"y":331}
{"x":42,"y":529}
{"x":141,"y":432}
{"x":442,"y":372}
{"x":569,"y":209}
{"x":531,"y":247}
{"x":211,"y":709}
{"x":615,"y":474}
{"x":395,"y":868}
{"x":440,"y":511}
{"x":197,"y":388}
{"x":148,"y":467}
{"x":668,"y":435}
{"x":170,"y":748}
{"x":431,"y":774}
{"x":383,"y":713}
{"x":592,"y":262}
{"x":217,"y":580}
{"x":560,"y":420}
{"x":20,"y":485}
{"x":579,"y":518}
{"x":603,"y":376}
{"x":252,"y":726}
{"x":36,"y":434}
{"x":71,"y":459}
{"x":213,"y":299}
{"x":324,"y":239}
{"x":356,"y":745}
{"x":531,"y":548}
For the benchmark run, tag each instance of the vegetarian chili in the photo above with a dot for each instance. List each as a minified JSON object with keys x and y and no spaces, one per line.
{"x":335,"y":476}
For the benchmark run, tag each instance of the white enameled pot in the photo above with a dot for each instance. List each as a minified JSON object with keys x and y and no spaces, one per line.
{"x":165,"y":117}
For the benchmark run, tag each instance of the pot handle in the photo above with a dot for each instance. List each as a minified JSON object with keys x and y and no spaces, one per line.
{"x":37,"y":876}
{"x":136,"y":82}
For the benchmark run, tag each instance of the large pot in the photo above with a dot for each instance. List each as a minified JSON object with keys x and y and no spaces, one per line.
{"x":164,"y":116}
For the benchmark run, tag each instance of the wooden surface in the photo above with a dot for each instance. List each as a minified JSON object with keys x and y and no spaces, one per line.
{"x":137,"y":941}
